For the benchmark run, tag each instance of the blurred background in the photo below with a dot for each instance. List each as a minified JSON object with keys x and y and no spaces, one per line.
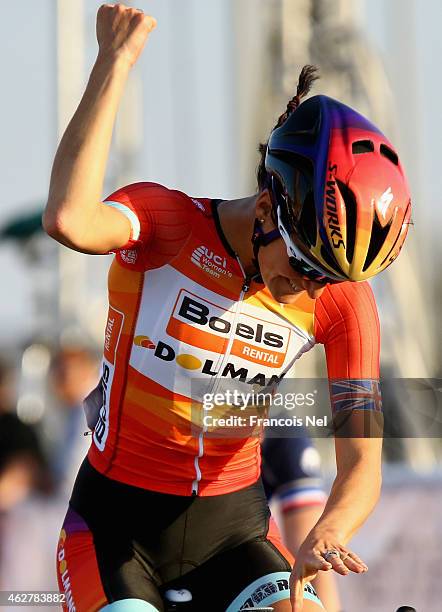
{"x":209,"y":87}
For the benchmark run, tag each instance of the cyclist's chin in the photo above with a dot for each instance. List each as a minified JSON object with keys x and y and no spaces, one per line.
{"x":281,"y":291}
{"x":288,"y":298}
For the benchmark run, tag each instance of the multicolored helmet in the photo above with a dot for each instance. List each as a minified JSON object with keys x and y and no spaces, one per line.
{"x":340,"y":193}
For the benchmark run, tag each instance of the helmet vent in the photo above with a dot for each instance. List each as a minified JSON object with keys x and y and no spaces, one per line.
{"x":350,"y":213}
{"x":362,"y":146}
{"x":389,"y":154}
{"x":378,"y":236}
{"x":330,"y":260}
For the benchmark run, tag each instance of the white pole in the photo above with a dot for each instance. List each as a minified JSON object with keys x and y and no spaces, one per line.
{"x":70,"y":82}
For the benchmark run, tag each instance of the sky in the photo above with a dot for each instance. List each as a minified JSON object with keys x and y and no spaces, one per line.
{"x":406,"y":33}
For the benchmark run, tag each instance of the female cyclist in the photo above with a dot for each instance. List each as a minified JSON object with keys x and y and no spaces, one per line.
{"x":207,"y":291}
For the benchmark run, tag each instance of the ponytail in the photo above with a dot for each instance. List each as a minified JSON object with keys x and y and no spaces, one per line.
{"x":308,"y":75}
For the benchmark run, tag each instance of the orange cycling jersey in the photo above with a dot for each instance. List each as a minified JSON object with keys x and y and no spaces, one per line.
{"x":181,"y":317}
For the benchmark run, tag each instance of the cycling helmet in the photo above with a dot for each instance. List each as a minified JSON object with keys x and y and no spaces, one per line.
{"x":338,"y":190}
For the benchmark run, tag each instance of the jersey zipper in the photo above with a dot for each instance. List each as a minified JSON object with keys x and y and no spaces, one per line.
{"x":245,"y":287}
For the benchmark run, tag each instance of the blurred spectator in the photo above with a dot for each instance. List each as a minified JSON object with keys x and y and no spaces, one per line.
{"x":25,"y":486}
{"x":73,"y":374}
{"x":23,"y":467}
{"x":29,"y":514}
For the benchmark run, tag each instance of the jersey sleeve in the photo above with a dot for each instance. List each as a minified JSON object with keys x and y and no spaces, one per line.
{"x":160,"y":219}
{"x":346,"y":322}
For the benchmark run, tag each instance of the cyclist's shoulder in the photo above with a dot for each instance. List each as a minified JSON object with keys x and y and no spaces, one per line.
{"x":346,"y":296}
{"x":148,"y":195}
{"x":349,"y":305}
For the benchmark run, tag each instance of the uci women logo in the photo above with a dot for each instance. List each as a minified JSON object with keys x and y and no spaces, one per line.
{"x":207,"y":260}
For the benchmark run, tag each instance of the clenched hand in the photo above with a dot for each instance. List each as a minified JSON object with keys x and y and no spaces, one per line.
{"x":122,"y":31}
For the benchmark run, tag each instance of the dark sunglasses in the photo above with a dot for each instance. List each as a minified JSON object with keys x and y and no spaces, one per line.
{"x":310,"y":273}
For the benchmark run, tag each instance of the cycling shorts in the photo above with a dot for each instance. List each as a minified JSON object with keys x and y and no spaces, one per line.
{"x":121,"y":542}
{"x":291,"y":471}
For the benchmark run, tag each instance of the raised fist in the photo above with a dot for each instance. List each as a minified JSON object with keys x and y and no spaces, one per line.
{"x":122,"y":31}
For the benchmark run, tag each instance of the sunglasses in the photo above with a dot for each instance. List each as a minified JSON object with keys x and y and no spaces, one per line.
{"x":309,"y":273}
{"x":297,"y":261}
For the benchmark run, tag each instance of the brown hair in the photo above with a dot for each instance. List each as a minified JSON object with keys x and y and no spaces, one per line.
{"x":308,"y":75}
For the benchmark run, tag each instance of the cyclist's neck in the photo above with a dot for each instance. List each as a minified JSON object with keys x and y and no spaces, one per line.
{"x":237,"y":218}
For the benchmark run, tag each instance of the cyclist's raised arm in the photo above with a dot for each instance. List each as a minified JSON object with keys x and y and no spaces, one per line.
{"x":74,"y":214}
